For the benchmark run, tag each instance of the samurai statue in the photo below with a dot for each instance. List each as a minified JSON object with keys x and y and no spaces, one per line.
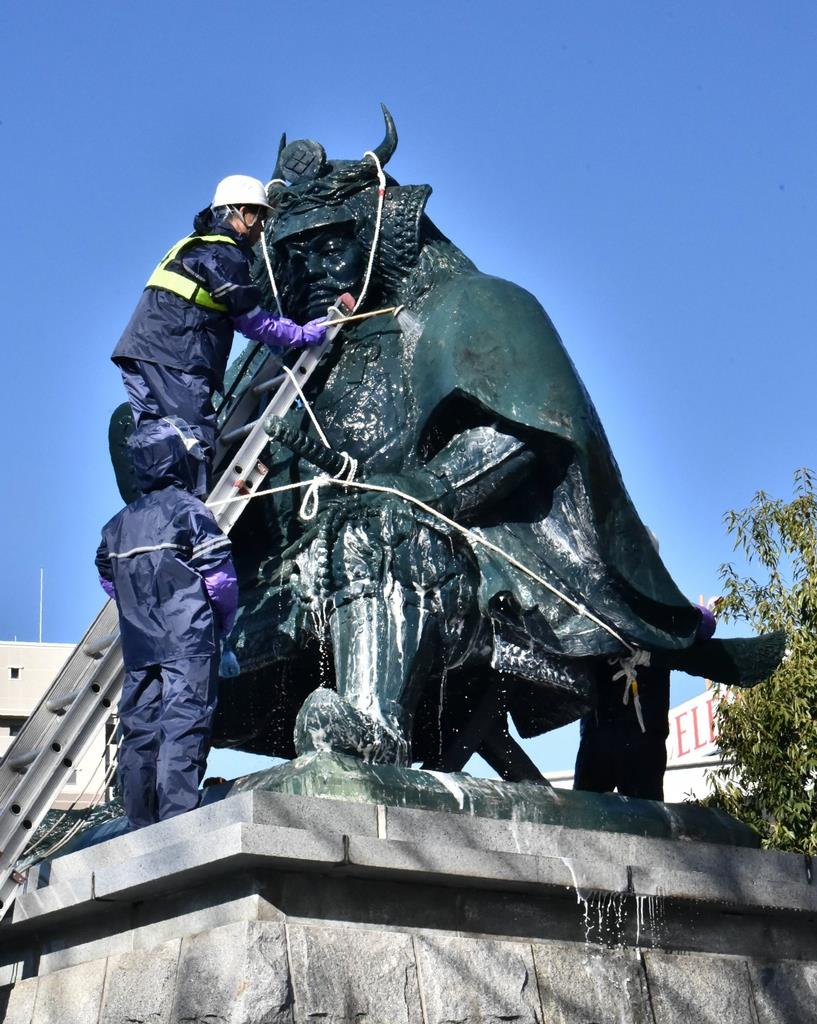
{"x":378,"y":627}
{"x":496,"y":563}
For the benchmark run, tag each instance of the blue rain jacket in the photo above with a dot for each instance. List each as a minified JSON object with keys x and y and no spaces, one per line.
{"x":155,"y":550}
{"x":168,"y":330}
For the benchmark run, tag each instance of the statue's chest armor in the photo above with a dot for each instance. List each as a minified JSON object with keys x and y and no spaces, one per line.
{"x":364,"y":406}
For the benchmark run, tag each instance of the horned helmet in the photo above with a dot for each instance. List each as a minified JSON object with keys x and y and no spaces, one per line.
{"x":309,"y":191}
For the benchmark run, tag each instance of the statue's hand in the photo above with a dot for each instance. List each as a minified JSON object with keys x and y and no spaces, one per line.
{"x":394,"y":515}
{"x":420,"y":484}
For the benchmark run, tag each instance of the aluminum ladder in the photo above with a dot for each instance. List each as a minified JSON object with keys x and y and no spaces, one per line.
{"x":55,"y":735}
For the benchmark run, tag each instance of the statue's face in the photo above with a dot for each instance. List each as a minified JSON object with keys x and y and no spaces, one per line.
{"x":317,"y":266}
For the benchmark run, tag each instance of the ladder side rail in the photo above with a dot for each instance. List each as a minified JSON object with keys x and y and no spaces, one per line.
{"x":75,"y":665}
{"x":42,"y":721}
{"x":77,"y":727}
{"x":39,"y":799}
{"x":41,"y":803}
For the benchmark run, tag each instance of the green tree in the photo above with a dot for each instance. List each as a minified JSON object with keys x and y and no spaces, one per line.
{"x":769,"y":732}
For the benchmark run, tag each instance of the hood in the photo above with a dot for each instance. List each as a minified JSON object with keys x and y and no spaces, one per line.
{"x":207,"y":223}
{"x":165,"y":452}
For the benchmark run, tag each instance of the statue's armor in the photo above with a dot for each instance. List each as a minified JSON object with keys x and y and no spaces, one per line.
{"x":398,"y":592}
{"x":364,"y":407}
{"x":395,"y":586}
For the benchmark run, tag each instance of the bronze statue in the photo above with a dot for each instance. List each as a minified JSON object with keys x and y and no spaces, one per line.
{"x":378,"y":628}
{"x":390,"y":635}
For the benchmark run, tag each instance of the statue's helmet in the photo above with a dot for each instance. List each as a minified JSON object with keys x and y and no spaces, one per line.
{"x":309,"y":191}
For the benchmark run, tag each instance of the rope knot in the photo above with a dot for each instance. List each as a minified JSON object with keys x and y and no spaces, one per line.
{"x":629,"y":665}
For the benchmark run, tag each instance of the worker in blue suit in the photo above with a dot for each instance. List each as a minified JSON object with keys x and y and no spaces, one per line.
{"x":166,"y":562}
{"x":623,"y":745}
{"x":173,"y":353}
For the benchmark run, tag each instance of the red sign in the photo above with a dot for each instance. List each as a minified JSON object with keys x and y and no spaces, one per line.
{"x":692,"y":728}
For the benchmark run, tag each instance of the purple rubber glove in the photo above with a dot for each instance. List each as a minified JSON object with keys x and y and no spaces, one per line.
{"x":314,"y":331}
{"x":222,"y":588}
{"x":707,"y":625}
{"x":108,"y":587}
{"x":278,"y":331}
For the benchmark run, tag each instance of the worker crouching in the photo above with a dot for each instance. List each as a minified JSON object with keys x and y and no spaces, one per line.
{"x":167,"y":564}
{"x":173,"y":352}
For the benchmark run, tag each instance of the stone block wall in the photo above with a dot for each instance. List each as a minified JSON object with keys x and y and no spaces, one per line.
{"x":267,"y":907}
{"x":263,"y":972}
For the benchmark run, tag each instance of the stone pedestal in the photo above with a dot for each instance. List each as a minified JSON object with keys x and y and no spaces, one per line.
{"x":268,"y":906}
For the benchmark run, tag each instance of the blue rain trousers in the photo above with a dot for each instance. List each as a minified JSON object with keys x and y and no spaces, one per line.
{"x":166,"y":713}
{"x":155,"y":391}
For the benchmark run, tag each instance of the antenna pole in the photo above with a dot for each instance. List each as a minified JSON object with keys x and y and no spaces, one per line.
{"x":40,"y":635}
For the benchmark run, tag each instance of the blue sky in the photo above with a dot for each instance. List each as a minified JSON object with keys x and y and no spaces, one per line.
{"x":647,"y":169}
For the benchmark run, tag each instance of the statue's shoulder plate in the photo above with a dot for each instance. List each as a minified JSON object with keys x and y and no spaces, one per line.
{"x":490,"y":339}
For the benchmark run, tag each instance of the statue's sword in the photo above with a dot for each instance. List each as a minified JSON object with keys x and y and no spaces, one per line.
{"x":304,"y":446}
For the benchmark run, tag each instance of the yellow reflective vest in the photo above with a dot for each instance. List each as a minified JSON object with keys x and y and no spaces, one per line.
{"x":171,"y":281}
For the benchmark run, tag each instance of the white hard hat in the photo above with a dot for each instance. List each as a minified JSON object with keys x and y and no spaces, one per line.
{"x":240,"y":190}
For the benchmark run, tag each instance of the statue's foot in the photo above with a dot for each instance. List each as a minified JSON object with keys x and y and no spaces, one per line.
{"x":327,"y":722}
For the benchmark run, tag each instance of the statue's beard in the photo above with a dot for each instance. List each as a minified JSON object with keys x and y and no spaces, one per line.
{"x":320,"y":299}
{"x":308,"y":302}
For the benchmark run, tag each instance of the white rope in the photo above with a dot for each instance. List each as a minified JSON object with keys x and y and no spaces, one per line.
{"x":381,"y":196}
{"x":311,"y":503}
{"x":348,"y":470}
{"x":267,"y":261}
{"x":307,"y":406}
{"x":628,"y":670}
{"x":324,"y":481}
{"x":270,"y":274}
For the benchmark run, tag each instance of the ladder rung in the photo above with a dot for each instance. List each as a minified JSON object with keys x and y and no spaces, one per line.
{"x":22,"y":762}
{"x":239,"y":432}
{"x":269,"y":385}
{"x":96,"y":648}
{"x":58,"y":704}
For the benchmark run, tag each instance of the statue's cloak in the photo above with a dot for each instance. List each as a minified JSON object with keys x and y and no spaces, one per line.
{"x":488,"y":343}
{"x":481,"y":351}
